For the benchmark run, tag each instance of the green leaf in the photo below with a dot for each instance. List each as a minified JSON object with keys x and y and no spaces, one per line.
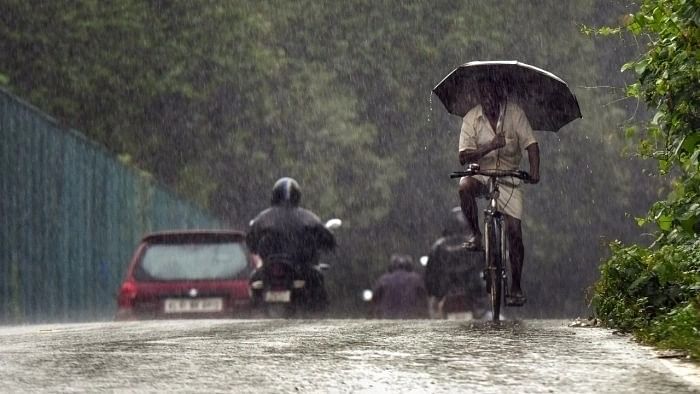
{"x":638,"y":283}
{"x":664,"y":222}
{"x":635,"y":27}
{"x":633,"y":90}
{"x":640,"y":66}
{"x":606,"y":31}
{"x":689,"y":225}
{"x":691,"y":142}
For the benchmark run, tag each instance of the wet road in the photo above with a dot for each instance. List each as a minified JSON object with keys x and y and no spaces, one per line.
{"x":331,"y":355}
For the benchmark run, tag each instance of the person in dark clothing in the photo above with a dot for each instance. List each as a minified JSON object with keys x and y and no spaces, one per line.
{"x":400,"y":293}
{"x":453,"y":268}
{"x":297,"y":234}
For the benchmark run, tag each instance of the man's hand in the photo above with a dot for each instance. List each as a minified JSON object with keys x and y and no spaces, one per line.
{"x":534,"y":177}
{"x":474,"y":155}
{"x":498,"y":142}
{"x":533,"y":152}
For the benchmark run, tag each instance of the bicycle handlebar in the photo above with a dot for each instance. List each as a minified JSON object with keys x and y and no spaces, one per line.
{"x":520,"y":174}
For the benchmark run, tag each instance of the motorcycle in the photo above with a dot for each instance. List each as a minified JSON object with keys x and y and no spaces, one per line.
{"x":279,"y":286}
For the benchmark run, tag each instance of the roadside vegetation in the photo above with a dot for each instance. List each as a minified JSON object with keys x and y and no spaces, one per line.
{"x":654,"y":291}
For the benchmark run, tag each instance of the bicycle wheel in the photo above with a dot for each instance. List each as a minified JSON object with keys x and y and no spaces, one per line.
{"x":494,"y":264}
{"x":505,"y":260}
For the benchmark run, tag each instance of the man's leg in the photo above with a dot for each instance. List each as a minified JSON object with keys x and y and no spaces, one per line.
{"x":517,"y":253}
{"x":469,"y":189}
{"x":257,"y":294}
{"x":434,"y":307}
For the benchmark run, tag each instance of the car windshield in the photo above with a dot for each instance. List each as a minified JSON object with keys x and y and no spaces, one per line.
{"x":194,"y":261}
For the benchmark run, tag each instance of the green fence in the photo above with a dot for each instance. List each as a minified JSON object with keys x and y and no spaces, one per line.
{"x":71,"y":216}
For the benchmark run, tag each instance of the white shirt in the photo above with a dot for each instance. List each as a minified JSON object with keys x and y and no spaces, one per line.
{"x":477,"y":131}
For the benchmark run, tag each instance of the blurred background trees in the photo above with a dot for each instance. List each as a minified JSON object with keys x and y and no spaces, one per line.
{"x":218,"y":100}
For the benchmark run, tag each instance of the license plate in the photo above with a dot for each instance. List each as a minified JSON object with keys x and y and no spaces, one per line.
{"x":184,"y":305}
{"x":278,"y":296}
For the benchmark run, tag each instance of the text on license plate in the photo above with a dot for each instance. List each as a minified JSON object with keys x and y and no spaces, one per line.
{"x":180,"y":305}
{"x":278,"y":296}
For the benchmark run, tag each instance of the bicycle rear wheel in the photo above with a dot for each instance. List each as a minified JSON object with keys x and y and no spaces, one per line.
{"x":493,"y":266}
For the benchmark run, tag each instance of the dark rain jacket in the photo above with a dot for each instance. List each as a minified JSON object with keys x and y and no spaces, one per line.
{"x":450,"y":264}
{"x":400,"y":294}
{"x":294,"y":232}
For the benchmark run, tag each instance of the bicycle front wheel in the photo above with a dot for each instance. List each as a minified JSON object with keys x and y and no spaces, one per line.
{"x":494,"y":264}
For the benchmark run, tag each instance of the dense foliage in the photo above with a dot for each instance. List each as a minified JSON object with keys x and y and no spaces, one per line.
{"x":655,"y":290}
{"x":219,"y":99}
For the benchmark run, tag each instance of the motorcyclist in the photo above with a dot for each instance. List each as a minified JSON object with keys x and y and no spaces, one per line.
{"x":285,"y":229}
{"x":452,"y":267}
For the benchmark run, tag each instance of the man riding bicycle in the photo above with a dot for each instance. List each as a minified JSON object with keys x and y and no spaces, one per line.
{"x":494,"y":134}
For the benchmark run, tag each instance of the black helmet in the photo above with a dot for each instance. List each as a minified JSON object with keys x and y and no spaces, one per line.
{"x":286,"y":192}
{"x":455,"y":223}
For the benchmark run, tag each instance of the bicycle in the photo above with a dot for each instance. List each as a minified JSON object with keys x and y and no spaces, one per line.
{"x":495,"y":237}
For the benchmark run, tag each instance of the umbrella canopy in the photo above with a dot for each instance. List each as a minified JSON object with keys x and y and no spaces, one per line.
{"x":545,"y":98}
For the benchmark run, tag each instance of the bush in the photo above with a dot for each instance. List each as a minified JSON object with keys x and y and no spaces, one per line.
{"x":679,"y":329}
{"x":653,"y":292}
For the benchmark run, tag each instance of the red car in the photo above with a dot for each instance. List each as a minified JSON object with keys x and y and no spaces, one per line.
{"x":187,"y":274}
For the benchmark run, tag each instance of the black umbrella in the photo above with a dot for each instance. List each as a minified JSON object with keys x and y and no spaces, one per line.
{"x":545,"y":98}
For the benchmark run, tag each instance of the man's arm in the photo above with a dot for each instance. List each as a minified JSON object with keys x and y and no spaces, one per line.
{"x":251,"y":240}
{"x":474,"y":155}
{"x":533,"y":153}
{"x":323,"y":237}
